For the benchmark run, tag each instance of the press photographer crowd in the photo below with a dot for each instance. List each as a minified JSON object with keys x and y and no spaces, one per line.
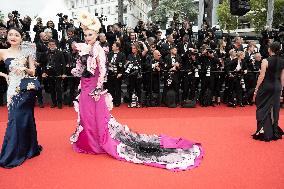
{"x":144,"y":69}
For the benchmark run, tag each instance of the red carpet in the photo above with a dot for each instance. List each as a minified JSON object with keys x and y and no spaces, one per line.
{"x":232,"y":159}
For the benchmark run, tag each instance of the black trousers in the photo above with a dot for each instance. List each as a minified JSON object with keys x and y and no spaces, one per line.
{"x":114,"y":88}
{"x":235,"y":90}
{"x":73,"y":83}
{"x":188,"y":87}
{"x":206,"y":92}
{"x":250,"y":81}
{"x":135,"y":85}
{"x":55,"y":89}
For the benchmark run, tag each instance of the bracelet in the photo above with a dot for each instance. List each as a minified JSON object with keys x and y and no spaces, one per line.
{"x":96,"y":92}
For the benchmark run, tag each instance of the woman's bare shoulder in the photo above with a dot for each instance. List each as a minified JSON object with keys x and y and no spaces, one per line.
{"x":3,"y":54}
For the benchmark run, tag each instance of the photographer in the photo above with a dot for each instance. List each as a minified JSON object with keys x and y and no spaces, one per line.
{"x":26,"y":24}
{"x":54,"y":71}
{"x":3,"y":38}
{"x":184,"y":46}
{"x":171,"y":78}
{"x":253,"y":62}
{"x":72,"y":82}
{"x":165,"y":48}
{"x":41,"y":54}
{"x":153,"y":69}
{"x":104,"y":43}
{"x":190,"y":74}
{"x":51,"y":26}
{"x":66,"y":47}
{"x":134,"y":73}
{"x":237,"y":68}
{"x":116,"y":62}
{"x":141,"y":31}
{"x":130,"y":41}
{"x":13,"y":20}
{"x":174,"y":31}
{"x":186,"y":30}
{"x":38,"y":28}
{"x":205,"y":97}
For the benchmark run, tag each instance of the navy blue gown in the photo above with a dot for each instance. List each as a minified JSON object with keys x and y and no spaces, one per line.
{"x":20,"y":141}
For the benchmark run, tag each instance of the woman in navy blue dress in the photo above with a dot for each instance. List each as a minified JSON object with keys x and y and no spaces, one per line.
{"x":20,"y":141}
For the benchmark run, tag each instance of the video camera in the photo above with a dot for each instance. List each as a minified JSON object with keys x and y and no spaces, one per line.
{"x":61,"y":24}
{"x":16,"y":14}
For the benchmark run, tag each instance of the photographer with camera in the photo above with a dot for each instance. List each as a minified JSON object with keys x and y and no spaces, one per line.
{"x":253,"y":62}
{"x":174,"y":31}
{"x":152,"y":76}
{"x":190,"y":74}
{"x":165,"y":48}
{"x":51,"y":26}
{"x":13,"y":20}
{"x":237,"y":68}
{"x":116,"y":61}
{"x":68,"y":52}
{"x":130,"y":40}
{"x":141,"y":31}
{"x":38,"y":28}
{"x":205,"y":97}
{"x":103,"y":42}
{"x":26,"y":25}
{"x":54,"y":72}
{"x":41,"y":54}
{"x":186,"y":30}
{"x":133,"y":72}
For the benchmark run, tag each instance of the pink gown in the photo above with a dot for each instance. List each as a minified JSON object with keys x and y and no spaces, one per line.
{"x":98,"y":132}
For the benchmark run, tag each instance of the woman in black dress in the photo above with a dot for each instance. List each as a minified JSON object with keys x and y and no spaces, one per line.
{"x":20,"y":141}
{"x":268,"y":92}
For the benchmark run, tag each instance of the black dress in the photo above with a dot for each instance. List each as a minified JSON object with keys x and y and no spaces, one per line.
{"x":20,"y":141}
{"x":268,"y":102}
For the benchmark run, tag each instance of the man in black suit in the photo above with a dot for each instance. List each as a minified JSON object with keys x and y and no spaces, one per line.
{"x":116,"y":62}
{"x":54,"y":70}
{"x":165,"y":48}
{"x":153,"y":66}
{"x":41,"y":54}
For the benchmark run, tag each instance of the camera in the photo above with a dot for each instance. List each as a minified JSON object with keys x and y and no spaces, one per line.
{"x":61,"y":24}
{"x":15,"y":14}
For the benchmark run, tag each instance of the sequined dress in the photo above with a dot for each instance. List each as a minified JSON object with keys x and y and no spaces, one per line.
{"x":98,"y":132}
{"x":20,"y":141}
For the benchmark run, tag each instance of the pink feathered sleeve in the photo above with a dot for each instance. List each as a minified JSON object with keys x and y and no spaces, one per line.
{"x":99,"y":58}
{"x":101,"y":63}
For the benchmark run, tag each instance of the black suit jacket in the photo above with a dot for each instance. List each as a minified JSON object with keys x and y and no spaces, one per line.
{"x":55,"y":62}
{"x":119,"y":62}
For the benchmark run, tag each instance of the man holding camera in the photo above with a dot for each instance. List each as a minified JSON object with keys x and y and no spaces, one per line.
{"x":41,"y":53}
{"x":38,"y":28}
{"x":189,"y":75}
{"x":54,"y":71}
{"x":153,"y":66}
{"x":116,"y":62}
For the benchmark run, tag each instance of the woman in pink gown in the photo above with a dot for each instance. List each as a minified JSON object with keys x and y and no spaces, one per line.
{"x":98,"y":132}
